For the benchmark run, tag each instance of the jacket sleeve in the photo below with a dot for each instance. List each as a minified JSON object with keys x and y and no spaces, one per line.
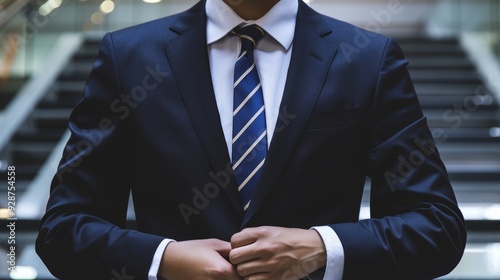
{"x":416,"y":230}
{"x":82,"y":234}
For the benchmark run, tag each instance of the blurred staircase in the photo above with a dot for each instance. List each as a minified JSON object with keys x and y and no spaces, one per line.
{"x":463,"y":115}
{"x":8,"y":89}
{"x":34,"y":141}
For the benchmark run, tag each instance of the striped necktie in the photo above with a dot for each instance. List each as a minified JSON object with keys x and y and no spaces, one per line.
{"x":249,"y":120}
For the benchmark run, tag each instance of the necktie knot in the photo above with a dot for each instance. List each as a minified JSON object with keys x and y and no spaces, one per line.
{"x":250,"y":35}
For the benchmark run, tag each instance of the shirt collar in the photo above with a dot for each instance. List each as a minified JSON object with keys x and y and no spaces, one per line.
{"x":279,"y":22}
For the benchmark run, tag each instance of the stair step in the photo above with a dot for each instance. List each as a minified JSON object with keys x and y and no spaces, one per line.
{"x":477,"y":172}
{"x":448,"y":102}
{"x":41,"y":136}
{"x":461,"y":118}
{"x":445,"y":76}
{"x":71,"y":87}
{"x":470,"y":153}
{"x":428,"y":48}
{"x":451,"y":89}
{"x":468,"y":135}
{"x":29,"y":156}
{"x":9,"y":89}
{"x":52,"y":118}
{"x":62,"y":102}
{"x":93,"y":39}
{"x":26,"y":172}
{"x":427,"y":40}
{"x":89,"y":53}
{"x":5,"y":98}
{"x":76,"y":71}
{"x":441,"y":62}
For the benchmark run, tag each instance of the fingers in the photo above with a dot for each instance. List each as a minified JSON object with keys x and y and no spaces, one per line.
{"x":254,"y":267}
{"x":222,"y":247}
{"x":233,"y":275}
{"x":250,"y":253}
{"x":266,"y":252}
{"x":246,"y":237}
{"x":223,"y":270}
{"x":242,"y":249}
{"x":198,"y":259}
{"x":244,"y":254}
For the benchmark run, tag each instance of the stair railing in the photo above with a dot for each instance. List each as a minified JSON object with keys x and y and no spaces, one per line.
{"x":32,"y":92}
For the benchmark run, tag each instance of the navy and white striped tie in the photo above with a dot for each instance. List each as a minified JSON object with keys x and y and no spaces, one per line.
{"x":249,"y":119}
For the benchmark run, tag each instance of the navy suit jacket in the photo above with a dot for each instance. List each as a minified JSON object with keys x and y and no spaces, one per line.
{"x":149,"y":124}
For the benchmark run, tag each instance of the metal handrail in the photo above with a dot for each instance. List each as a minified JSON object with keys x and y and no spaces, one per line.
{"x":32,"y":204}
{"x":32,"y":92}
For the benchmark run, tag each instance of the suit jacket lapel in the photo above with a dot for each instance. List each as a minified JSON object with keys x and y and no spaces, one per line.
{"x":311,"y":58}
{"x":188,"y":58}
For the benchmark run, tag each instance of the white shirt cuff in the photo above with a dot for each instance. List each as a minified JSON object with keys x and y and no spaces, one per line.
{"x":155,"y":265}
{"x":334,"y":253}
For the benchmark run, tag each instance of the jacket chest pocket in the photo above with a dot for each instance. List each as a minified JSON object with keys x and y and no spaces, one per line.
{"x":337,"y":118}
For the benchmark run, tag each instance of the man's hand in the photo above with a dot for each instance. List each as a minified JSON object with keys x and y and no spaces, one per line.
{"x":197,"y":260}
{"x":269,"y":253}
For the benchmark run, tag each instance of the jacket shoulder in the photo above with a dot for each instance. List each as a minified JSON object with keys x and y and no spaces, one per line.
{"x":358,"y":37}
{"x":340,"y":33}
{"x":160,"y":30}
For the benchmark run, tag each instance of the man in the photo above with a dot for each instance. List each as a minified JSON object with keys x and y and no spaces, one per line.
{"x":245,"y":130}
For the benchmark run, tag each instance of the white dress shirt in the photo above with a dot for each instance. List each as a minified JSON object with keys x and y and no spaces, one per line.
{"x":272,"y":59}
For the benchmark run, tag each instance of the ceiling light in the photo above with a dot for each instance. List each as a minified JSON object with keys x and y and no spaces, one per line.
{"x":107,"y":6}
{"x":97,"y":18}
{"x":151,"y":1}
{"x":5,"y":213}
{"x":49,"y":6}
{"x":24,"y":272}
